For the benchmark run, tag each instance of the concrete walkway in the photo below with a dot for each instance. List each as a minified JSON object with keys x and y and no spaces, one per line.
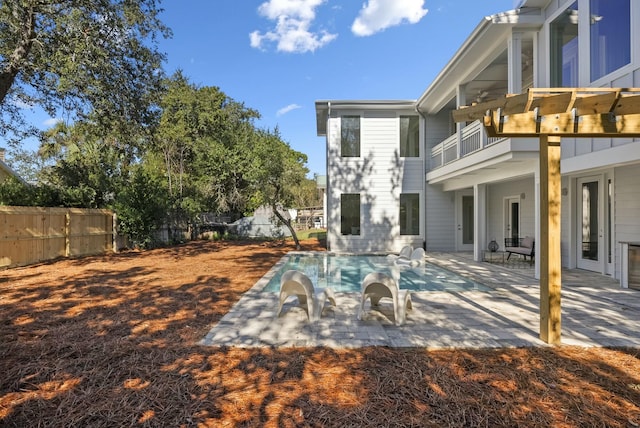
{"x":595,"y":312}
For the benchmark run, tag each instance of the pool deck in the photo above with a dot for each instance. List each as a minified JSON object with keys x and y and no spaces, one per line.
{"x":595,"y":312}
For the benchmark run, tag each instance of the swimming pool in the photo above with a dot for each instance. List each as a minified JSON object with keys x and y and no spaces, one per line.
{"x":344,"y":273}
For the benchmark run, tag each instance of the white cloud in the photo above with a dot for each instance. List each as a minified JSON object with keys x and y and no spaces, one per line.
{"x":287,"y":109}
{"x":293,"y":22}
{"x":51,"y":121}
{"x":377,"y":15}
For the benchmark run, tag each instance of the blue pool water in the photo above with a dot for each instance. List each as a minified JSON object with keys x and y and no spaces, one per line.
{"x":344,"y":273}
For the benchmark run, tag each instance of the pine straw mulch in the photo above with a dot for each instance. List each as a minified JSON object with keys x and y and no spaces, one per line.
{"x":112,"y":341}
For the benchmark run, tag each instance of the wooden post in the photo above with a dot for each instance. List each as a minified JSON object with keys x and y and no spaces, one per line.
{"x":549,"y":249}
{"x":67,"y":234}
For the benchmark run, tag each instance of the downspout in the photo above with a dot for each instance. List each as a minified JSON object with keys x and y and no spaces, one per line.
{"x":424,"y":170}
{"x":327,"y":177}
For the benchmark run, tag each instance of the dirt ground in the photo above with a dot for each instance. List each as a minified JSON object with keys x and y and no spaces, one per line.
{"x":112,"y":341}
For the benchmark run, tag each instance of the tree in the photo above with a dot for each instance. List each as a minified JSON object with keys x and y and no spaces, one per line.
{"x":80,"y":162}
{"x":92,"y":60}
{"x":275,"y":172}
{"x":141,"y":207}
{"x":202,"y":139}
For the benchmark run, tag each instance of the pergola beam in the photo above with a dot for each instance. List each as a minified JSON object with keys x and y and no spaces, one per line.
{"x":532,"y":124}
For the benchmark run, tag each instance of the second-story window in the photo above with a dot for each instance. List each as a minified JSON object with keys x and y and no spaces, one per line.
{"x":350,"y":136}
{"x":564,"y":48}
{"x":610,"y":25}
{"x":409,"y":136}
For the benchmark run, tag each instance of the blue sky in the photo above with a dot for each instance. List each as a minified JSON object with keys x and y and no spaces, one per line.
{"x":280,"y":56}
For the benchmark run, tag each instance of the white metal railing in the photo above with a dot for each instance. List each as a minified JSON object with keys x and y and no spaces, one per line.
{"x":472,"y":138}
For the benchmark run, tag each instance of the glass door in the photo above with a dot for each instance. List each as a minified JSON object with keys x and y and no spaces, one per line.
{"x":512,"y":219}
{"x":590,"y":224}
{"x":465,"y":230}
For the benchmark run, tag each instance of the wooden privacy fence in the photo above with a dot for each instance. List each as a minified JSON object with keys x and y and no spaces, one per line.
{"x":34,"y":234}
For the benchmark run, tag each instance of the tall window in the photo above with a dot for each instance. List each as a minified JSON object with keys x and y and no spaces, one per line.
{"x":409,"y":136}
{"x":610,"y":36}
{"x":564,"y":48}
{"x":350,"y":136}
{"x":350,"y":214}
{"x":409,"y":214}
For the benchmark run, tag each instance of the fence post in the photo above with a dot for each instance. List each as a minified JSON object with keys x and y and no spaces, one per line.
{"x":114,"y":238}
{"x":67,"y":234}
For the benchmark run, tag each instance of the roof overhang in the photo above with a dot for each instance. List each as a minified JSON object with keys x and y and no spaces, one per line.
{"x":11,"y":172}
{"x":476,"y":53}
{"x":324,"y":108}
{"x":531,"y":3}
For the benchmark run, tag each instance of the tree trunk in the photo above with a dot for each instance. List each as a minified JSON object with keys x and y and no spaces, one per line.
{"x":288,"y":224}
{"x":19,"y":55}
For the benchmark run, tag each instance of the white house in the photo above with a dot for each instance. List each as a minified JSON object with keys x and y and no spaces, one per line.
{"x":375,"y":175}
{"x":5,"y":170}
{"x":472,"y":189}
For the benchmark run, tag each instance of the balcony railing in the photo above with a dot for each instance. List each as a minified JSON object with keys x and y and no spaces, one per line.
{"x":473,"y":138}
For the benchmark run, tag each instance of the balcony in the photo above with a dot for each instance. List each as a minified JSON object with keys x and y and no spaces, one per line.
{"x":472,"y":139}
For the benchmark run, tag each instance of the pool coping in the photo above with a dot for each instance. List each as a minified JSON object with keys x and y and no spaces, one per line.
{"x":507,"y":316}
{"x":266,"y":278}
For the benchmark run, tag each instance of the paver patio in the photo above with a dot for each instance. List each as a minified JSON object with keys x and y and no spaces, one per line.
{"x":595,"y":312}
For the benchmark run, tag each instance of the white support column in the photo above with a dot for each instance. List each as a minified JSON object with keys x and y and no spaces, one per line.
{"x":479,"y":221}
{"x":536,"y":191}
{"x":514,"y":50}
{"x":461,"y":100}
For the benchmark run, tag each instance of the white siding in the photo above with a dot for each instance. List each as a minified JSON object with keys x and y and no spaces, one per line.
{"x":440,"y":219}
{"x":566,"y":223}
{"x":440,"y":205}
{"x":627,"y":207}
{"x":496,"y":210}
{"x":379,"y":175}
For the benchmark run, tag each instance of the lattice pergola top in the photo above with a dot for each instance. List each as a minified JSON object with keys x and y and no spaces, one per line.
{"x":565,"y":112}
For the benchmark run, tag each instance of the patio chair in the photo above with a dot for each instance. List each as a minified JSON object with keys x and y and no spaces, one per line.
{"x":376,"y":286}
{"x":295,"y":283}
{"x":414,"y":260}
{"x":404,"y":252}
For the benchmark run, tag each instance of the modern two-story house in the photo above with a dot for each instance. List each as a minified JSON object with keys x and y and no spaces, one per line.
{"x":403,"y":172}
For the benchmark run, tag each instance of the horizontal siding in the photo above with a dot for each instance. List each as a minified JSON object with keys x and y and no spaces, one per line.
{"x":440,"y":219}
{"x":627,"y":203}
{"x":380,"y":175}
{"x":627,"y":207}
{"x":496,"y":194}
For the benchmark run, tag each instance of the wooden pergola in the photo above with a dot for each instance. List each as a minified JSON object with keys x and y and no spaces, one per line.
{"x":550,"y":114}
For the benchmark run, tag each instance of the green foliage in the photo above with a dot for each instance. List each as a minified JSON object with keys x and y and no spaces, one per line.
{"x":141,"y":207}
{"x":204,"y":155}
{"x":274,"y":174}
{"x":202,"y":139}
{"x":92,"y":59}
{"x":276,"y":170}
{"x":16,"y":193}
{"x":79,"y":161}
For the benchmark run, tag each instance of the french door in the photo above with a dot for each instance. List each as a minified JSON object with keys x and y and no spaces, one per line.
{"x":591,"y":224}
{"x":512,"y":218}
